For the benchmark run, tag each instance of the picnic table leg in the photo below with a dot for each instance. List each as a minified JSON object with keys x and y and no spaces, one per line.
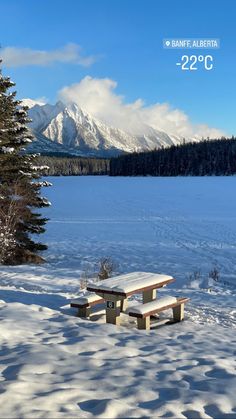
{"x":149,"y":295}
{"x":143,"y":323}
{"x":84,"y":311}
{"x":113,"y":307}
{"x":178,"y":313}
{"x":113,"y":314}
{"x":124,"y":305}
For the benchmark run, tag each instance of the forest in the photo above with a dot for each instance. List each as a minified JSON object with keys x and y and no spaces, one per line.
{"x":206,"y":158}
{"x":73,"y":166}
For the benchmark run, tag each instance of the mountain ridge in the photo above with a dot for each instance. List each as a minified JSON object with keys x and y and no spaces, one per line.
{"x":79,"y":133}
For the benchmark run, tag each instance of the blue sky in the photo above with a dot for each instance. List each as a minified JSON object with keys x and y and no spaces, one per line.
{"x":124,"y":39}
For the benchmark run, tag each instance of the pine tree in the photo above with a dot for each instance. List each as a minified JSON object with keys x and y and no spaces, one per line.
{"x":19,"y":183}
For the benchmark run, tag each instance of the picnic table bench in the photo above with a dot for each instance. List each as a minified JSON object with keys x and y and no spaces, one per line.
{"x":116,"y":290}
{"x":143,"y":312}
{"x":84,"y":304}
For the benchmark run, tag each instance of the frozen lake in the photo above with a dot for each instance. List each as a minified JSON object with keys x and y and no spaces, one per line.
{"x":176,"y":226}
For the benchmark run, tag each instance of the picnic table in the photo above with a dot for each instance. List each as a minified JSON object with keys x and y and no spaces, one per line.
{"x":116,"y":290}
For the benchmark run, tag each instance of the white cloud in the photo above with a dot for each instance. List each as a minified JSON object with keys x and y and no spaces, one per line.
{"x":18,"y":57}
{"x":98,"y":97}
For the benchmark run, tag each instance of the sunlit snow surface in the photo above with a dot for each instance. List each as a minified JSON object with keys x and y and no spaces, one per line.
{"x":53,"y":364}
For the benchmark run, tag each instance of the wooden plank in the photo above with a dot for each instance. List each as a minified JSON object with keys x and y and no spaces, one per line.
{"x":104,"y":291}
{"x":110,"y":297}
{"x":76,"y":305}
{"x":154,"y":311}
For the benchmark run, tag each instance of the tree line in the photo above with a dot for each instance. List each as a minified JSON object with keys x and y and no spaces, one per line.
{"x":206,"y":158}
{"x":73,"y":166}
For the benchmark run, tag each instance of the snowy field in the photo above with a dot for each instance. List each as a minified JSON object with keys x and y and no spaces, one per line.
{"x":53,"y":364}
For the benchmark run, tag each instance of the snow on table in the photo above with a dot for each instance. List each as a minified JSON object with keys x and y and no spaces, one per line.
{"x":85,"y":299}
{"x":153,"y":305}
{"x":129,"y":283}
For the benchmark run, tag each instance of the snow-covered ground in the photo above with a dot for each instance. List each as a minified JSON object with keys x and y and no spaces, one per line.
{"x":53,"y":364}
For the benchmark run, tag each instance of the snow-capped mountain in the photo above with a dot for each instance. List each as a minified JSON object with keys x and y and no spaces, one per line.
{"x":77,"y":132}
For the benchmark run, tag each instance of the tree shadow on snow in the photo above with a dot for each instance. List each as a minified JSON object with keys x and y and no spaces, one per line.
{"x":51,"y":301}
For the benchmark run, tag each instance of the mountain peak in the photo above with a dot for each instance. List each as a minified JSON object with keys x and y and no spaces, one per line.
{"x":60,"y":105}
{"x":31,"y":103}
{"x":69,"y":125}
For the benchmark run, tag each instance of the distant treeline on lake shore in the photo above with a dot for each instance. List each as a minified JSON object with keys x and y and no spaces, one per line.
{"x":74,"y":166}
{"x":206,"y":158}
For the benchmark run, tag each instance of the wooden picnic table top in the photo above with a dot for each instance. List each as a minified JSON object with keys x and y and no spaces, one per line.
{"x":128,"y":284}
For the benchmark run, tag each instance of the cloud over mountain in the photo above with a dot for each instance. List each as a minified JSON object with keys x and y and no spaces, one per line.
{"x":99,"y":98}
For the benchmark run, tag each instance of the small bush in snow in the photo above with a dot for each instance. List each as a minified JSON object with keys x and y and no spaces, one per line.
{"x":106,"y":267}
{"x":195,"y":278}
{"x":83,"y":283}
{"x":87,"y":274}
{"x":214,"y":274}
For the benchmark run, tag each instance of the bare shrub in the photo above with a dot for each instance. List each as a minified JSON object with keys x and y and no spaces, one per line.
{"x":106,"y":267}
{"x":83,"y":284}
{"x":214,"y":274}
{"x":86,"y":275}
{"x":195,"y":276}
